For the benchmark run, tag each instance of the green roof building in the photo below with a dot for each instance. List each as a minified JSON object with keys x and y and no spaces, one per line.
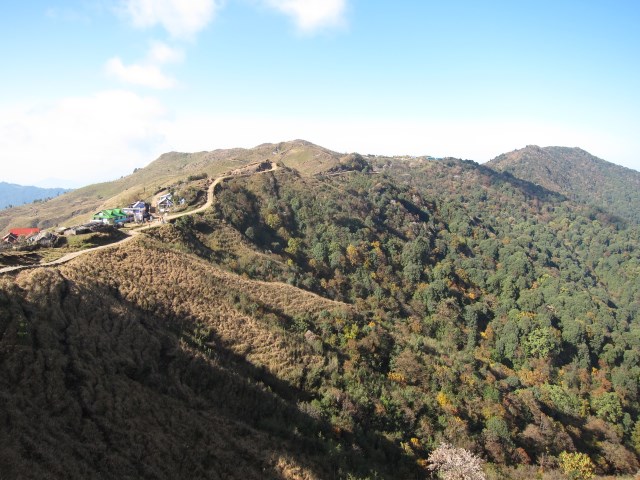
{"x":112,"y":216}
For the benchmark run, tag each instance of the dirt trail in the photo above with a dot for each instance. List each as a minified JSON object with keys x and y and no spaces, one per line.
{"x":133,"y":233}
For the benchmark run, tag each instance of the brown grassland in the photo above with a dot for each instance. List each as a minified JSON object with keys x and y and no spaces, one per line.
{"x":141,"y":362}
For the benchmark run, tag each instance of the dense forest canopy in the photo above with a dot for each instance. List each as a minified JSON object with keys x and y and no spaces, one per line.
{"x":578,"y":175}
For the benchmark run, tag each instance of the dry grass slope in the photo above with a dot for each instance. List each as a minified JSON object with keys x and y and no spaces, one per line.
{"x":79,"y":205}
{"x":141,"y":362}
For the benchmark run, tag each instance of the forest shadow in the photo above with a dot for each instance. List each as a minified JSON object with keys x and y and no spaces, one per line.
{"x":530,"y":189}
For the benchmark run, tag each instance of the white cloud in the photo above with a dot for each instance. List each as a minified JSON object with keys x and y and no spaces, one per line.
{"x":81,"y":139}
{"x":146,"y":75}
{"x":162,"y":53}
{"x":312,"y":15}
{"x":181,"y":18}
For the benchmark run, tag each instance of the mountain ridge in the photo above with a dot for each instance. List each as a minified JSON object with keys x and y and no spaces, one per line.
{"x":578,"y":175}
{"x":169,"y":169}
{"x":12,"y":194}
{"x":173,"y":168}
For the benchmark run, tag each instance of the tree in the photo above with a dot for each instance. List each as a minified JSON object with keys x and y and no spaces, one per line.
{"x":635,"y":437}
{"x":293,"y":246}
{"x":455,"y":463}
{"x":353,"y":255}
{"x":541,"y":342}
{"x":273,"y":221}
{"x":319,"y":252}
{"x":607,"y":406}
{"x":576,"y":466}
{"x":414,"y":256}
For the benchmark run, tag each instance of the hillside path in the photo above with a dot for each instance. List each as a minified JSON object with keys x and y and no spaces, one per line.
{"x":131,"y":234}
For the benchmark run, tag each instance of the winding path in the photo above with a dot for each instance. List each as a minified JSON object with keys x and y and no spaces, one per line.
{"x":131,"y":234}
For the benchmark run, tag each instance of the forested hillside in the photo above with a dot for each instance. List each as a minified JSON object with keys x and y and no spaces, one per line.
{"x":578,"y":175}
{"x":337,"y":324}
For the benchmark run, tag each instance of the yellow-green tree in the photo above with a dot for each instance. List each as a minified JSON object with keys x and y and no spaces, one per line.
{"x":576,"y":466}
{"x":293,"y":246}
{"x":635,"y":437}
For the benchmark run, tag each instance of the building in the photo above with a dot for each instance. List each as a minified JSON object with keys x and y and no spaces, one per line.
{"x":113,"y":216}
{"x":24,"y":232}
{"x":165,"y":203}
{"x":17,"y":234}
{"x":139,"y":211}
{"x":10,"y":238}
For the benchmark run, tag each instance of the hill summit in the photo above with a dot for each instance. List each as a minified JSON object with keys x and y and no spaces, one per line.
{"x":166,"y":172}
{"x":578,"y":175}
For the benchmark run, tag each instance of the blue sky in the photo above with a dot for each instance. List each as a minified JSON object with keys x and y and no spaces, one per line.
{"x":92,"y":89}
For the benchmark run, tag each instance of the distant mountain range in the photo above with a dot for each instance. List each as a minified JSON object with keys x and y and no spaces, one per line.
{"x":578,"y":175}
{"x":12,"y":194}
